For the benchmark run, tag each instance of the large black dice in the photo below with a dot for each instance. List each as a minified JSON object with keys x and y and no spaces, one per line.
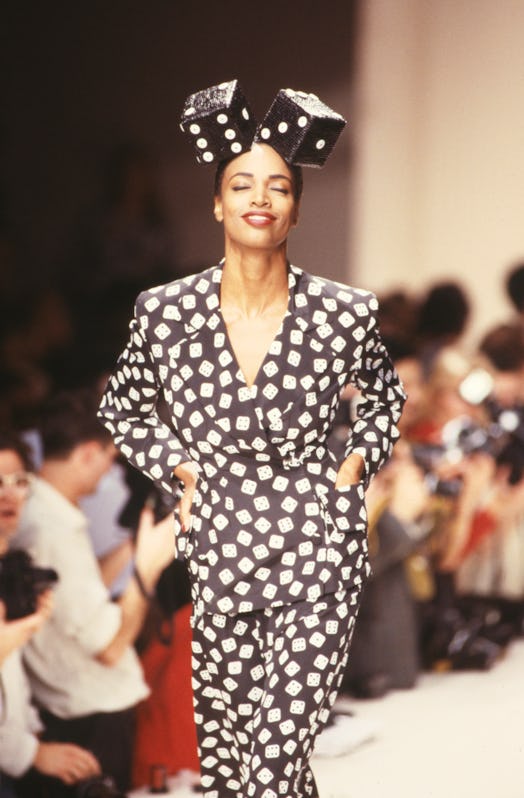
{"x":301,"y":128}
{"x":219,"y":122}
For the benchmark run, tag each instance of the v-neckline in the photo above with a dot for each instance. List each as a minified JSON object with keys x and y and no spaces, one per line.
{"x":239,"y":373}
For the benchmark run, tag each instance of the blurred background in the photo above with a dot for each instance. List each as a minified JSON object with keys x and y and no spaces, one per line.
{"x":426,"y":183}
{"x":422,"y":202}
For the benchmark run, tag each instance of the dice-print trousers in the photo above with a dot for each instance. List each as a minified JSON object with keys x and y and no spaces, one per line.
{"x":264,"y":683}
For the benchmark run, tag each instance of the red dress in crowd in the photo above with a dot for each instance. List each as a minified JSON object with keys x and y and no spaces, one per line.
{"x":166,"y":732}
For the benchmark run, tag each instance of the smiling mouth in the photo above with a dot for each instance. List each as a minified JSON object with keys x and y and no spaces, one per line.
{"x":259,"y":219}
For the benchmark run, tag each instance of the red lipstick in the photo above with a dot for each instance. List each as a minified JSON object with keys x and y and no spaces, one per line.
{"x":258,"y":218}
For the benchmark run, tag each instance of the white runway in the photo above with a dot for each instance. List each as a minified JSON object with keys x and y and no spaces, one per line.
{"x":455,"y":735}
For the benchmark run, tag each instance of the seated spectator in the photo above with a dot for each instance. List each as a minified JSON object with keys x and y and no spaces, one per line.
{"x":24,"y":758}
{"x":452,"y":440}
{"x":443,"y":315}
{"x":398,"y":317}
{"x":385,"y":649}
{"x":492,"y":564}
{"x":166,"y":730}
{"x":84,"y":671}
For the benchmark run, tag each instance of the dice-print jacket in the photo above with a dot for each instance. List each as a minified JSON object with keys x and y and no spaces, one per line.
{"x":268,"y":528}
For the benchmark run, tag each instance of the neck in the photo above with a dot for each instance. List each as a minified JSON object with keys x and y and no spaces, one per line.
{"x":61,"y":477}
{"x":254,"y":282}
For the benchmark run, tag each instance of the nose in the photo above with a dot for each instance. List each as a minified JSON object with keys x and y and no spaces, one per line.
{"x":260,"y":197}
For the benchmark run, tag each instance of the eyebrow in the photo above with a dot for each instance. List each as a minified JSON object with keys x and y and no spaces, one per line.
{"x":271,"y":177}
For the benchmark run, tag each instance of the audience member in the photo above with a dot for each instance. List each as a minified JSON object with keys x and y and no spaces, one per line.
{"x":83,"y":669}
{"x":28,"y":765}
{"x":398,"y":317}
{"x":385,"y":644}
{"x":494,"y":566}
{"x":442,"y":318}
{"x":452,"y":438}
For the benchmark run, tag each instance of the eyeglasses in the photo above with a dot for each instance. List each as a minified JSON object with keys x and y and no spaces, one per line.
{"x":19,"y":482}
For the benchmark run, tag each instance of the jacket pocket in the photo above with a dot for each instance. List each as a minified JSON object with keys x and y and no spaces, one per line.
{"x":345,"y":508}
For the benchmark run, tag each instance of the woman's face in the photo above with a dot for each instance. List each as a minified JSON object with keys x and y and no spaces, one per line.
{"x":14,"y":486}
{"x":256,"y":202}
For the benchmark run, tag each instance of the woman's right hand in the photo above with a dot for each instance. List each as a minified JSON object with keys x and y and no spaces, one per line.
{"x":187,"y":474}
{"x":14,"y":634}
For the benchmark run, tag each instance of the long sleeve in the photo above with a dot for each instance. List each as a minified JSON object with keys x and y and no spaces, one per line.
{"x":19,"y":723}
{"x":129,"y":406}
{"x":374,"y":431}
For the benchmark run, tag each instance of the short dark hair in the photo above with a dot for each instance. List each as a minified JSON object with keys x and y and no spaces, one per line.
{"x":503,"y":345}
{"x":443,"y":311}
{"x":69,"y":419}
{"x":296,"y":174}
{"x":13,"y":442}
{"x":515,"y":286}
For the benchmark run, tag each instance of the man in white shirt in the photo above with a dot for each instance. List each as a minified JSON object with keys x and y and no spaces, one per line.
{"x":84,"y":671}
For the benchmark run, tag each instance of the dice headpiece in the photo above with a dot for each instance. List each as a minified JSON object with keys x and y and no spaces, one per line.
{"x":301,"y":128}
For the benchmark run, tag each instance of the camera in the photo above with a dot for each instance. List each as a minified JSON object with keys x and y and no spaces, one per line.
{"x":505,"y":430}
{"x":21,"y":583}
{"x":460,"y":437}
{"x":98,"y":787}
{"x":501,"y":436}
{"x":143,"y":493}
{"x":428,"y":456}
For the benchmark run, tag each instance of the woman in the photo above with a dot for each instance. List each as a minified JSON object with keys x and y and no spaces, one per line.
{"x":249,"y":357}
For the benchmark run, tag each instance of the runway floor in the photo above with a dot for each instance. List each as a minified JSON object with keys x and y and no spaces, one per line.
{"x":455,"y":735}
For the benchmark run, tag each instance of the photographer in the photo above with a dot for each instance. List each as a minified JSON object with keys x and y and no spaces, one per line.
{"x":83,"y":667}
{"x":385,"y":643}
{"x":492,"y":567}
{"x":23,"y":755}
{"x":459,"y":439}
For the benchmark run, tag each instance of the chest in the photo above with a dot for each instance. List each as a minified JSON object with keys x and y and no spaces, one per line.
{"x":250,"y":340}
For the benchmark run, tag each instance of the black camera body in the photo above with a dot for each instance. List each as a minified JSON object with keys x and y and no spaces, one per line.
{"x":502,"y":438}
{"x":427,"y":456}
{"x":21,"y":583}
{"x":144,"y":493}
{"x":507,"y":428}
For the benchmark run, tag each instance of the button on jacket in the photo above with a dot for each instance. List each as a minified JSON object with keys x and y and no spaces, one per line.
{"x":269,"y":528}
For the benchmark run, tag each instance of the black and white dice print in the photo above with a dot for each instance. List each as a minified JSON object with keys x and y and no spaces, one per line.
{"x":269,"y":528}
{"x":301,"y":128}
{"x":264,"y":684}
{"x":219,"y":122}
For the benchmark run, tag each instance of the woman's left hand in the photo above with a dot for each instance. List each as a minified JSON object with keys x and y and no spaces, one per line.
{"x":350,"y":472}
{"x":187,"y":474}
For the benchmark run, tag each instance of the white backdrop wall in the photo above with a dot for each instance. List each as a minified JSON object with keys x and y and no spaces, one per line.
{"x":438,"y":189}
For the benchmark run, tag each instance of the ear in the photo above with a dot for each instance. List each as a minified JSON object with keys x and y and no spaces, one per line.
{"x":87,"y":451}
{"x":296,"y":214}
{"x":217,"y":210}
